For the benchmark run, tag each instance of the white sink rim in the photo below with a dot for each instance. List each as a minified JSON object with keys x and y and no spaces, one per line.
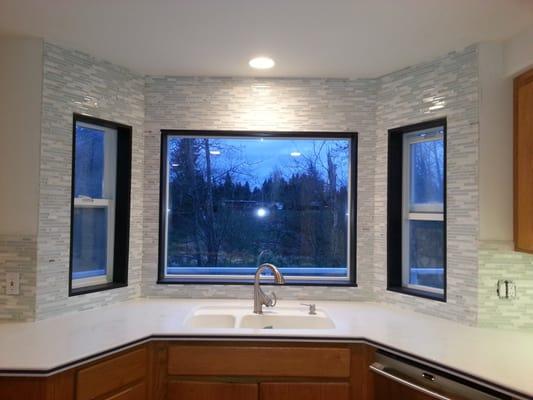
{"x":282,"y":318}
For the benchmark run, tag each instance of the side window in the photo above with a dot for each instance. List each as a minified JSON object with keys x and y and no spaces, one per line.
{"x":417,"y":218}
{"x":97,"y":205}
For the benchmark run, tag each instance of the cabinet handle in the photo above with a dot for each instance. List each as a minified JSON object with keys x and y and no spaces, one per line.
{"x":384,"y":371}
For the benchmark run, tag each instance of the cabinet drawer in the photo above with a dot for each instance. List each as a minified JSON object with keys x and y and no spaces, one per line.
{"x":259,"y":361}
{"x":110,"y":375}
{"x":305,"y":391}
{"x":183,"y":390}
{"x":137,"y":392}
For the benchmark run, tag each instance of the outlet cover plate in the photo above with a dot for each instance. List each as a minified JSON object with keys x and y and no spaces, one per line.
{"x":12,"y":283}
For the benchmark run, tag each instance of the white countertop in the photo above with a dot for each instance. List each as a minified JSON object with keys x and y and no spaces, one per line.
{"x":504,"y":358}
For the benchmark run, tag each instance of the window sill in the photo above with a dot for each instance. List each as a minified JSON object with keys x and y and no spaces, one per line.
{"x":418,"y":293}
{"x":196,"y":281}
{"x":96,"y":288}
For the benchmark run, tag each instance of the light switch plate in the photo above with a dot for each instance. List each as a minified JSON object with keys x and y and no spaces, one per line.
{"x":12,"y":283}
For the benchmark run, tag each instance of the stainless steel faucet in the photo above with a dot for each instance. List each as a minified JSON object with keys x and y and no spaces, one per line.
{"x":260,"y":297}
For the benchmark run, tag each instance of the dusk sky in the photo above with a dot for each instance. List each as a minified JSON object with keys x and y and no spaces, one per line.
{"x":257,"y":158}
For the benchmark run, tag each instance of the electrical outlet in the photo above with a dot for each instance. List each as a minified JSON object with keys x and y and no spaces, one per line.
{"x":12,"y":283}
{"x":506,"y":289}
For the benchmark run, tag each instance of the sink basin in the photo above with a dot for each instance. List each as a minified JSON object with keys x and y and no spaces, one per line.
{"x":241,"y":317}
{"x":276,"y":321}
{"x":211,"y":319}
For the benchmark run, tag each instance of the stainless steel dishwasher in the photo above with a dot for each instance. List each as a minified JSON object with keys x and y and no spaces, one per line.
{"x":402,"y":379}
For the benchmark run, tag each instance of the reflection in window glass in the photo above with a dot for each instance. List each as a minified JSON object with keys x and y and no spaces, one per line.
{"x":426,"y":253}
{"x":90,"y":242}
{"x":89,"y":162}
{"x":234,"y":203}
{"x":427,"y":171}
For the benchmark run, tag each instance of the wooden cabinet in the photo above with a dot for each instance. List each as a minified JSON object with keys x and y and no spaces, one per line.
{"x":113,"y":374}
{"x":169,"y":370}
{"x":123,"y":376}
{"x":305,"y":391}
{"x":137,"y":392}
{"x":220,"y":371}
{"x":205,"y":390}
{"x":23,"y":388}
{"x":210,"y":371}
{"x":56,"y":387}
{"x":523,"y":162}
{"x":259,"y":361}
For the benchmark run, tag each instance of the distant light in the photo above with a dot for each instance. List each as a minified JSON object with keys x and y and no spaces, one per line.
{"x":261,"y":212}
{"x":175,"y":164}
{"x":296,"y":154}
{"x":214,"y":152}
{"x":261,"y":63}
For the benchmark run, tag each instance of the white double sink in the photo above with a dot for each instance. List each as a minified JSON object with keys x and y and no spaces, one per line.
{"x":272,"y":318}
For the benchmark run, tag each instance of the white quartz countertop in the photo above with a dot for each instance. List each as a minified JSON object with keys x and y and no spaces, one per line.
{"x":503,"y":358}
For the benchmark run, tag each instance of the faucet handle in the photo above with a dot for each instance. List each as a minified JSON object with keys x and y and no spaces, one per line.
{"x":272,"y":300}
{"x":312,"y":308}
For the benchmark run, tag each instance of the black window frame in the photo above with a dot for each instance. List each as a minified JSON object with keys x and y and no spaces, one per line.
{"x":394,"y":209}
{"x":352,"y":243}
{"x":122,"y":205}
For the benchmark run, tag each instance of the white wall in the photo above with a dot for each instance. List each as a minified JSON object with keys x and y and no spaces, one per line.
{"x":518,"y":53}
{"x":21,"y":66}
{"x":495,"y":145}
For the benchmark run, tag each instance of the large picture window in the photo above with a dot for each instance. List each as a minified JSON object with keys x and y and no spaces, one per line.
{"x":417,"y":230}
{"x":232,"y":200}
{"x":100,"y":204}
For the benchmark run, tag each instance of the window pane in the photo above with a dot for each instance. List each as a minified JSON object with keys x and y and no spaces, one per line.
{"x":426,"y":249}
{"x":95,"y":167}
{"x":89,"y":162}
{"x":427,"y":172}
{"x":89,"y":257}
{"x":234,"y":203}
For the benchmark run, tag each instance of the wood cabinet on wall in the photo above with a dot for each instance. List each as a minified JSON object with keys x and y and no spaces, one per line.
{"x":523,"y":162}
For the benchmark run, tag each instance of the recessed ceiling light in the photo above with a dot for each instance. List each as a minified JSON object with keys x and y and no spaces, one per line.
{"x":261,"y":63}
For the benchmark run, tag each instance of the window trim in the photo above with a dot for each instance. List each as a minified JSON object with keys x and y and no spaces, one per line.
{"x":119,"y":221}
{"x":398,"y":211}
{"x":351,"y":279}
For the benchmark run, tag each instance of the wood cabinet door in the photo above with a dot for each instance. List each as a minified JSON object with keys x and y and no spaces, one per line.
{"x":305,"y":391}
{"x":523,"y":162}
{"x":112,"y":374}
{"x":137,"y":392}
{"x":203,"y":390}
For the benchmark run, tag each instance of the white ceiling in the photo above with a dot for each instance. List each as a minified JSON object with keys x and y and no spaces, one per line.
{"x":319,"y":38}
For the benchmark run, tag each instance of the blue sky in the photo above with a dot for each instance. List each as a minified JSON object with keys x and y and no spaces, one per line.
{"x":257,"y":158}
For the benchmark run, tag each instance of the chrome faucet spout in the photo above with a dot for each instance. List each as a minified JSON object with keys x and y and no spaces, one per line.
{"x":260,"y":297}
